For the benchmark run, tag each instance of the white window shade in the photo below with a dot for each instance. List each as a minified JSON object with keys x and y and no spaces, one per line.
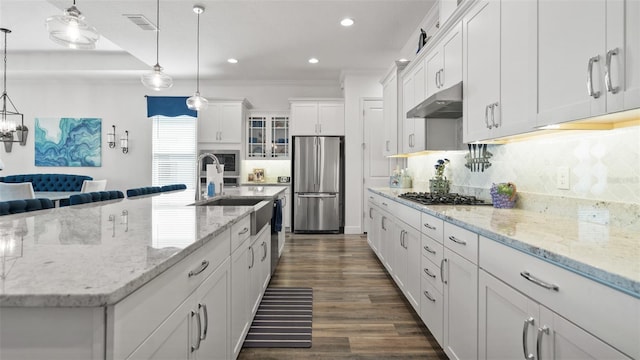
{"x":174,"y":151}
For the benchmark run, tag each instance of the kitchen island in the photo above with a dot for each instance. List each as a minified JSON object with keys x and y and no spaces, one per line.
{"x":70,"y":268}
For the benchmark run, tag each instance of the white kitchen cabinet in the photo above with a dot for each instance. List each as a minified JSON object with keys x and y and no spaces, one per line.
{"x":268,"y":135}
{"x":198,"y":328}
{"x":286,"y":218}
{"x":387,"y":242}
{"x":413,"y":92}
{"x":411,"y":243}
{"x":317,"y":117}
{"x":588,"y":63}
{"x":391,"y":93}
{"x":460,"y":279}
{"x":260,"y":267}
{"x":444,"y":62}
{"x":222,"y":121}
{"x":241,"y":260}
{"x":499,"y":72}
{"x":373,"y":227}
{"x":447,"y":7}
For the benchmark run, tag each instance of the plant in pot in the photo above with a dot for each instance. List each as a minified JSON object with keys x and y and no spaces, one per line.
{"x":439,"y":184}
{"x":503,"y":195}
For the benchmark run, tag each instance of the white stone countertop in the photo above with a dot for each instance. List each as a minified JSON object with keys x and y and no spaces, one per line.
{"x":96,"y":254}
{"x":602,"y":252}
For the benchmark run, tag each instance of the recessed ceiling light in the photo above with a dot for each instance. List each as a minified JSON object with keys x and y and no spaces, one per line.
{"x":313,"y":61}
{"x":346,"y":22}
{"x":232,"y":61}
{"x":403,"y":60}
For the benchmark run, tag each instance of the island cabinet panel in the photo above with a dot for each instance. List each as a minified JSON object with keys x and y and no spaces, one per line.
{"x":51,"y":333}
{"x":136,"y":317}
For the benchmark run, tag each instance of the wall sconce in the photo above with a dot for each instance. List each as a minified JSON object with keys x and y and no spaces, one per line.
{"x":124,"y":142}
{"x":112,"y":220}
{"x":111,"y":137}
{"x":124,"y":220}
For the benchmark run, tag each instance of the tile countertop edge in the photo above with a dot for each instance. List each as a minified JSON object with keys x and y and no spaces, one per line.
{"x":108,"y":299}
{"x":617,"y":282}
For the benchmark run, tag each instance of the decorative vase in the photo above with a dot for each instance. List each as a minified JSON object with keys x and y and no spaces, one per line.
{"x":439,"y":186}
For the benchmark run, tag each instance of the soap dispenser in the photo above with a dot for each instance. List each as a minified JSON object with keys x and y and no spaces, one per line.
{"x":211,"y":189}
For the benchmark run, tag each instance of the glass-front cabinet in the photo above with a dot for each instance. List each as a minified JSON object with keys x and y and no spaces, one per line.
{"x":268,"y":135}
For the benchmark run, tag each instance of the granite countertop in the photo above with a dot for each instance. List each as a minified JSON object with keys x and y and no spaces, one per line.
{"x":96,"y":254}
{"x":606,"y":253}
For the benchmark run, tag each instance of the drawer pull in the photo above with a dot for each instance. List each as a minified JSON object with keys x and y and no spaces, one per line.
{"x":535,"y":280}
{"x":457,"y":241}
{"x":199,"y":322}
{"x":525,"y":335}
{"x":244,"y":231}
{"x":428,"y":296}
{"x":442,"y":271}
{"x":206,"y":320}
{"x":429,"y":250}
{"x":541,"y":331}
{"x":426,"y":271}
{"x":385,"y":204}
{"x":429,"y":226}
{"x":199,"y":269}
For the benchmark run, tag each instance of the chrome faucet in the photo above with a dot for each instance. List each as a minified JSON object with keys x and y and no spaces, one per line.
{"x":199,"y":166}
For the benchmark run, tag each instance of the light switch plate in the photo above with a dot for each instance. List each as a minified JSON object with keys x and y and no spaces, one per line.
{"x":562,"y":178}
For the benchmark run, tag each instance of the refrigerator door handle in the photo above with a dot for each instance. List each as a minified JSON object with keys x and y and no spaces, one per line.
{"x":317,"y":195}
{"x":318,"y":157}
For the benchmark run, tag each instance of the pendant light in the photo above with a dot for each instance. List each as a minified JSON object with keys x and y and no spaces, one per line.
{"x":70,"y":30}
{"x":197,"y":102}
{"x":8,"y":127}
{"x":156,"y":79}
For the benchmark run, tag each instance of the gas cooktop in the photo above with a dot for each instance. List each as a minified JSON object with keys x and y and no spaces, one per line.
{"x":442,"y":199}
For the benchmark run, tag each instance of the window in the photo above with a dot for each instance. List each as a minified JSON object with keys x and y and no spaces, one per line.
{"x":174,"y":151}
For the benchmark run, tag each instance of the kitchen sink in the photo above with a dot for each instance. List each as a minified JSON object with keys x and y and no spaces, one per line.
{"x":260,"y":216}
{"x":232,"y":202}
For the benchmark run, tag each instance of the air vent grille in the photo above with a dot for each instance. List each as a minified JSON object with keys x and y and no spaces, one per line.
{"x":140,"y":20}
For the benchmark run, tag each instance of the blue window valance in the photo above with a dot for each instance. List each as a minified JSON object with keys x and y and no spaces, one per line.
{"x":171,"y":106}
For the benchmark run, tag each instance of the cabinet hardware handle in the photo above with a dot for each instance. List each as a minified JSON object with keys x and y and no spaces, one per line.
{"x":592,"y":60}
{"x":429,"y":226}
{"x":401,"y":238}
{"x":244,"y":231}
{"x":385,"y":204}
{"x":387,"y":145}
{"x":525,"y":335}
{"x":436,"y":78}
{"x":199,"y":269}
{"x":197,"y":345}
{"x":284,"y":202}
{"x":382,"y":223}
{"x":371,"y":198}
{"x":206,"y":320}
{"x":535,"y":280}
{"x":426,"y":271}
{"x":429,"y":250}
{"x":607,"y":71}
{"x":493,"y":115}
{"x":252,"y":257}
{"x":370,"y":215}
{"x":442,"y":271}
{"x":428,"y":296}
{"x":264,"y":246}
{"x":440,"y":78}
{"x":320,"y":127}
{"x":486,"y":117}
{"x":457,"y":241}
{"x":541,"y":331}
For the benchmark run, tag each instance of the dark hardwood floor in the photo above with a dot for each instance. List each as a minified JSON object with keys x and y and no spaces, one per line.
{"x":358,"y":312}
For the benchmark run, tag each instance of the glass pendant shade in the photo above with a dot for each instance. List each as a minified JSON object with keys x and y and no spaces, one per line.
{"x":156,"y":79}
{"x":197,"y":102}
{"x":70,"y":30}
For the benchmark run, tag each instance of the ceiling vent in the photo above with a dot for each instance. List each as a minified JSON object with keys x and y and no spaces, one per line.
{"x":142,"y":22}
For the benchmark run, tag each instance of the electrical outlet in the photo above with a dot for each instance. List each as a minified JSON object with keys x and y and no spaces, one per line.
{"x":562,"y":178}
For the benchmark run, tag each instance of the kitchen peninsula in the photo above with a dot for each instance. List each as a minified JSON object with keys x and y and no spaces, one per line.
{"x":99,"y":281}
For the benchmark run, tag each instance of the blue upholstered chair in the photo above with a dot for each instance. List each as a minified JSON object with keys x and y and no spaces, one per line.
{"x":25,"y":205}
{"x":49,"y":182}
{"x":95,"y":196}
{"x":173,"y":187}
{"x":143,"y":191}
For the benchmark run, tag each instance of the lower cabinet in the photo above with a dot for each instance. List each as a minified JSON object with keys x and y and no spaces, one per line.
{"x":241,"y":260}
{"x":198,"y":328}
{"x":260,"y":267}
{"x":514,"y":326}
{"x":373,"y":232}
{"x":407,"y":262}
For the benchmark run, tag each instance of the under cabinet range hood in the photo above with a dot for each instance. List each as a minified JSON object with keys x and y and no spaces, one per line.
{"x":445,"y":104}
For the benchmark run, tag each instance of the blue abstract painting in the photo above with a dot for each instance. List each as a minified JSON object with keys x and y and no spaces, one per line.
{"x":68,"y":142}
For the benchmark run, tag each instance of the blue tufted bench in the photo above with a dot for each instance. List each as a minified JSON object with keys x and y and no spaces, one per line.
{"x":90,"y":197}
{"x":21,"y":206}
{"x":173,"y":187}
{"x":49,"y":182}
{"x":143,"y":191}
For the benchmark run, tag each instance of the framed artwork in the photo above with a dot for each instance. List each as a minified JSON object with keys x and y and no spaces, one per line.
{"x":74,"y":142}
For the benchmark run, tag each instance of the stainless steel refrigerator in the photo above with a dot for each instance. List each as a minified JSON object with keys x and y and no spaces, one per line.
{"x":318,"y":184}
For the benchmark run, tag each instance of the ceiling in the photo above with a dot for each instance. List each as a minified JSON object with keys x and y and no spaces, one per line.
{"x":272,"y":39}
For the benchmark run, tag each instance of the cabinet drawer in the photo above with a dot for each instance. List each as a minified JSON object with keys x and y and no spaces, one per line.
{"x":432,"y":310}
{"x":461,"y":241}
{"x":135,"y":317}
{"x":432,"y":273}
{"x":610,"y":315}
{"x":374,"y":198}
{"x":240,"y":232}
{"x":432,"y":226}
{"x":387,"y":205}
{"x":432,"y":249}
{"x":408,"y":215}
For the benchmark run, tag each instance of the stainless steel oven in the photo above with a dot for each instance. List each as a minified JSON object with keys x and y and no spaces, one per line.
{"x":231,"y":161}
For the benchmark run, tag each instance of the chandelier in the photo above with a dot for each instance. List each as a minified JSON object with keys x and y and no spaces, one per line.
{"x":8,"y":124}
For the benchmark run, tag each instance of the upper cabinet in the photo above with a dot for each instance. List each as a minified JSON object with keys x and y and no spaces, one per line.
{"x":222,"y":121}
{"x":268,"y":135}
{"x":588,"y":59}
{"x":499,"y":73}
{"x":444,"y":63}
{"x":413,"y":92}
{"x":447,"y":7}
{"x":391,"y":89}
{"x":317,"y":117}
